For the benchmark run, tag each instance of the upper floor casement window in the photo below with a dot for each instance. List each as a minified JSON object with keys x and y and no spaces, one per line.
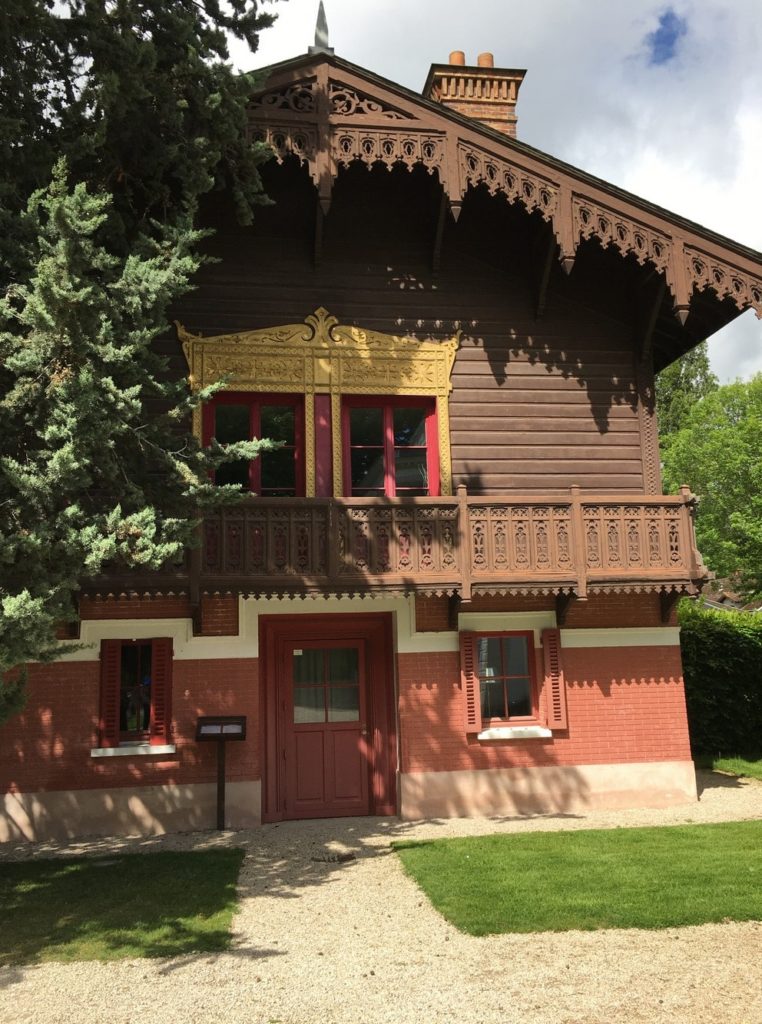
{"x":231,"y":417}
{"x":390,"y":447}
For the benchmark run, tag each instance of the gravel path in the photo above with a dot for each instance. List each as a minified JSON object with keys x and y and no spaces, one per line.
{"x":342,"y":943}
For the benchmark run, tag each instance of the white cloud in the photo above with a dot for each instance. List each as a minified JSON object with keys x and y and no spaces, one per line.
{"x":686,"y":134}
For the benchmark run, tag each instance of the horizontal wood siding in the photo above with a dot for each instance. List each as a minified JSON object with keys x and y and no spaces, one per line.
{"x":537,"y":404}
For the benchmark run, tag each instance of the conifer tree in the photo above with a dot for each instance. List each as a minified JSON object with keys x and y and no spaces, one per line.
{"x":116,"y":117}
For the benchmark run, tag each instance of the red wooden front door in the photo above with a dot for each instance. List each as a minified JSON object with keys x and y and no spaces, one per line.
{"x":324,"y":700}
{"x":328,"y":715}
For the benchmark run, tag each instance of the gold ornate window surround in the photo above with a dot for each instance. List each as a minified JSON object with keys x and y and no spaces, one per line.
{"x":323,"y":357}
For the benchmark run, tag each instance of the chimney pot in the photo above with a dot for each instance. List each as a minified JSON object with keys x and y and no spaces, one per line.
{"x":485,"y":60}
{"x":458,"y":57}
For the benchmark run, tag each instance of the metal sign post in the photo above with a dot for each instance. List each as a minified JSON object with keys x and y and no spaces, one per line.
{"x":221,"y":728}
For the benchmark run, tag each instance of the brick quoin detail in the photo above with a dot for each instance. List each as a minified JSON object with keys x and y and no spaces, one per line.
{"x":616,"y":714}
{"x":219,"y":615}
{"x":48,"y":746}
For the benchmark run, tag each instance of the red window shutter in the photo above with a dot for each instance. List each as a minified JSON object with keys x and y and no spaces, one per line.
{"x":469,"y":681}
{"x":555,"y":687}
{"x":111,"y":665}
{"x":161,"y":689}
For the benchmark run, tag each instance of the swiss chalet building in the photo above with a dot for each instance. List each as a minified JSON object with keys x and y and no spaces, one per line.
{"x":453,"y":589}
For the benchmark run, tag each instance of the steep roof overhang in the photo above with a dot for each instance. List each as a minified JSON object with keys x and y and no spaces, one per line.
{"x":329,"y":113}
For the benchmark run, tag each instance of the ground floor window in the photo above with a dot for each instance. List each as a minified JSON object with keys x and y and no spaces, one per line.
{"x":136,"y":690}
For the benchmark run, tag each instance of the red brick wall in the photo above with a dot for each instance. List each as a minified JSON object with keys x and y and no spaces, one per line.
{"x":48,"y":746}
{"x":599,"y":611}
{"x":135,"y":607}
{"x":219,"y":615}
{"x":625,"y":704}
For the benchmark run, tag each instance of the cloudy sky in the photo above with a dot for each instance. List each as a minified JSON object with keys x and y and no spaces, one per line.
{"x":663,"y":99}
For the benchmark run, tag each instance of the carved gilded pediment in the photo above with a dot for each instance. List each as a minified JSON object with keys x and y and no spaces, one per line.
{"x":322,"y":356}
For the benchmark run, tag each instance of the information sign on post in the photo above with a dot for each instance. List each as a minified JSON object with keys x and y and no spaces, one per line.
{"x":220,"y":728}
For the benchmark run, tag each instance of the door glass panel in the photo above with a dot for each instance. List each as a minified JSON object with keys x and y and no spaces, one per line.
{"x":343,"y":665}
{"x":277,"y":423}
{"x":231,"y":423}
{"x":515,"y":655}
{"x":367,"y":470}
{"x":519,"y":698}
{"x":366,"y":427}
{"x":409,"y":427}
{"x":309,"y":704}
{"x":278,"y":472}
{"x":344,"y":704}
{"x":410,"y":470}
{"x":308,"y":666}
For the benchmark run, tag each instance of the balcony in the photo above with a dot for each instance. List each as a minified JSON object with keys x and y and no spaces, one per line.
{"x":569,"y":545}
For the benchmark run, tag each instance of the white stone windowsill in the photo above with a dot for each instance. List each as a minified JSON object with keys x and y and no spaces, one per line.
{"x":516,"y":732}
{"x":133,"y":750}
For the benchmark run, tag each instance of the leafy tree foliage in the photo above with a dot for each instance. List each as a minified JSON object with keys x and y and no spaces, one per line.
{"x":718,"y":452}
{"x":116,"y":116}
{"x":722,"y":662}
{"x":679,"y":386}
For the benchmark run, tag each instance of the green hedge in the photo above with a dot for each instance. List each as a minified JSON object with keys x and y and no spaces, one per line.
{"x":722,"y":666}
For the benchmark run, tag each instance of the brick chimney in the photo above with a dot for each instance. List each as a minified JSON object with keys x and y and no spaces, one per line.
{"x":486,"y":93}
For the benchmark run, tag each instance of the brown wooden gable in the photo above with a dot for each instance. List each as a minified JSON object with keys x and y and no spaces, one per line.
{"x":329,"y":114}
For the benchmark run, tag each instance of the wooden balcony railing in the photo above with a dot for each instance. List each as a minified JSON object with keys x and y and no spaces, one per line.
{"x":570,"y":544}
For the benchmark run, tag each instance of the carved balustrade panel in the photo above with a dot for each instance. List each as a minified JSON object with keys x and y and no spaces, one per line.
{"x":399,"y":539}
{"x":521,"y":540}
{"x":645,"y":537}
{"x":266,"y":540}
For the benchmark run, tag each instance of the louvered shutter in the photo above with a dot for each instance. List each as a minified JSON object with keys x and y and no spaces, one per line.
{"x":111,"y":671}
{"x":469,"y":681}
{"x":161,"y":689}
{"x":555,"y":688}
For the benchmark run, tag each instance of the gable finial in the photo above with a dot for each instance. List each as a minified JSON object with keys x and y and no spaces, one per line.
{"x":321,"y":33}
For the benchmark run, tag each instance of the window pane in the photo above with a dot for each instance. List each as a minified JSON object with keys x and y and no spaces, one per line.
{"x":493,"y":699}
{"x":519,"y":698}
{"x":233,"y":473}
{"x":515,"y":656}
{"x":366,"y":426}
{"x":277,"y":423}
{"x":231,"y":423}
{"x":308,"y":666}
{"x":409,"y":426}
{"x":279,"y":471}
{"x":488,"y":656}
{"x":344,"y":704}
{"x":367,"y":468}
{"x":135,"y":688}
{"x":410,"y":469}
{"x":342,"y":665}
{"x":309,"y":704}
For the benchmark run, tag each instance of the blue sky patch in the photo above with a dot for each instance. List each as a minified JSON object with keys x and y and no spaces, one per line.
{"x":662,"y":44}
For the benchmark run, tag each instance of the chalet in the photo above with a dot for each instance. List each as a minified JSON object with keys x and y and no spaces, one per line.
{"x":452,"y":590}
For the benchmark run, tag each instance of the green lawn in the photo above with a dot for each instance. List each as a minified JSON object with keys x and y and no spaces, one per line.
{"x":158,"y":904}
{"x":613,"y":878}
{"x":747,"y":767}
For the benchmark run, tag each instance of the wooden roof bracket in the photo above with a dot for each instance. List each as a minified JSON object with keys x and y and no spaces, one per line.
{"x":680,"y":285}
{"x":563,"y":225}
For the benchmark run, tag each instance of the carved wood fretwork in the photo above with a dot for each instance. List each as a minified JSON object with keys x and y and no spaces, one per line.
{"x":321,"y":356}
{"x":727,"y":281}
{"x":499,"y":175}
{"x":628,"y":236}
{"x":372,"y":145}
{"x":328,"y":121}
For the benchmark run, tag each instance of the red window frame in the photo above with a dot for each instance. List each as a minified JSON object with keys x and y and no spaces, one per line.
{"x":255,"y":401}
{"x":528,"y":635}
{"x":388,"y":404}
